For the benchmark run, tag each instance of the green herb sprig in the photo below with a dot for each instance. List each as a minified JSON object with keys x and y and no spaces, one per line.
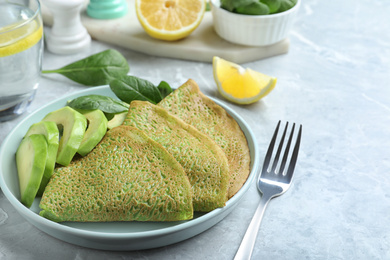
{"x":106,"y":104}
{"x":257,"y":7}
{"x":95,"y":70}
{"x":110,"y":68}
{"x":129,"y":88}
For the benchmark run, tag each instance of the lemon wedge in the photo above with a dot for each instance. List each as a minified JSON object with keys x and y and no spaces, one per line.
{"x":239,"y":85}
{"x":19,"y":39}
{"x":170,"y":20}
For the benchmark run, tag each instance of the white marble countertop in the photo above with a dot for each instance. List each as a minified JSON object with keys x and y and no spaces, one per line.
{"x":335,"y":80}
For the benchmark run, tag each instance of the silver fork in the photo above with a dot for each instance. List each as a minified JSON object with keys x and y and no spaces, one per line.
{"x":272,"y":182}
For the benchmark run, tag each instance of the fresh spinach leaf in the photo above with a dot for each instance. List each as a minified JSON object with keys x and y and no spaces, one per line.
{"x":208,"y":8}
{"x":106,"y":104}
{"x":286,"y":5}
{"x":164,"y":88}
{"x":129,"y":88}
{"x":95,"y":70}
{"x":231,"y":5}
{"x":256,"y":8}
{"x":273,"y":5}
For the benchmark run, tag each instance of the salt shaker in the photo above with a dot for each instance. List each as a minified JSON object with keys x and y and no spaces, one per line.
{"x":107,"y":9}
{"x":68,"y":35}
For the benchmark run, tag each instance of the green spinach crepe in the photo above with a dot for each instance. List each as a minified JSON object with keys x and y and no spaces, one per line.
{"x":202,"y":159}
{"x":127,"y":177}
{"x":194,"y":108}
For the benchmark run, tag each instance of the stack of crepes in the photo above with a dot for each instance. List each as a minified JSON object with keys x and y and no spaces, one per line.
{"x":166,"y":161}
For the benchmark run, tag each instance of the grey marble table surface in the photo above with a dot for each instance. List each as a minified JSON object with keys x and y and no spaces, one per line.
{"x":335,"y":81}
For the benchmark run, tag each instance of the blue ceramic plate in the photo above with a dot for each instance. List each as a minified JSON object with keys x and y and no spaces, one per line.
{"x":111,"y":235}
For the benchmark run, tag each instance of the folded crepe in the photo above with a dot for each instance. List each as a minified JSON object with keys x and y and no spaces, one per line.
{"x":202,"y":159}
{"x":127,"y":177}
{"x":194,"y":108}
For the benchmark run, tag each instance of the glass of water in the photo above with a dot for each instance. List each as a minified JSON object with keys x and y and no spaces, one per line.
{"x":21,"y":47}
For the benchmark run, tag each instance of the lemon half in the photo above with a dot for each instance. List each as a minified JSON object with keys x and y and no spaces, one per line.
{"x":239,"y":85}
{"x":19,"y":39}
{"x":170,"y":20}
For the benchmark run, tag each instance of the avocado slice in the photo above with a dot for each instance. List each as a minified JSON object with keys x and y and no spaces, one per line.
{"x":50,"y":131}
{"x":97,"y":128}
{"x":30,"y":162}
{"x":73,"y":125}
{"x":117,"y":120}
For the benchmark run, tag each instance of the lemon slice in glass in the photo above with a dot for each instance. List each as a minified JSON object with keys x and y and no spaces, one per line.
{"x":22,"y":37}
{"x":239,"y":85}
{"x":170,"y":20}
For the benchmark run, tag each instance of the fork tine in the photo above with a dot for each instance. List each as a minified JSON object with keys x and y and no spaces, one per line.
{"x":294,"y":155}
{"x":271,"y":145}
{"x":284,"y":160}
{"x":276,"y":160}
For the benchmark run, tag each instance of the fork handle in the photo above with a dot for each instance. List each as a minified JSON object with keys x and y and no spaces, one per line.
{"x":248,"y":242}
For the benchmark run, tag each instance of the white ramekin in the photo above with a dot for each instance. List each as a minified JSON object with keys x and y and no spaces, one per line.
{"x":252,"y":30}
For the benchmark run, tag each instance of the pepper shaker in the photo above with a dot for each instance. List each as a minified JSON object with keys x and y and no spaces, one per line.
{"x":68,"y":35}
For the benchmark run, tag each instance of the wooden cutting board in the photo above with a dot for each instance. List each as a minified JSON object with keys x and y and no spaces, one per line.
{"x":201,"y":45}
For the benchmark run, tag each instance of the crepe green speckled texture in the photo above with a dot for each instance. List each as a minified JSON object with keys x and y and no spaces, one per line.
{"x":127,"y":177}
{"x":194,"y":108}
{"x":202,"y":159}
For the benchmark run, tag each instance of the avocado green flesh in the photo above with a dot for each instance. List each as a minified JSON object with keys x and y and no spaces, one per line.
{"x":50,"y":131}
{"x":74,"y":126}
{"x":117,"y":120}
{"x":97,"y":128}
{"x":30,"y":161}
